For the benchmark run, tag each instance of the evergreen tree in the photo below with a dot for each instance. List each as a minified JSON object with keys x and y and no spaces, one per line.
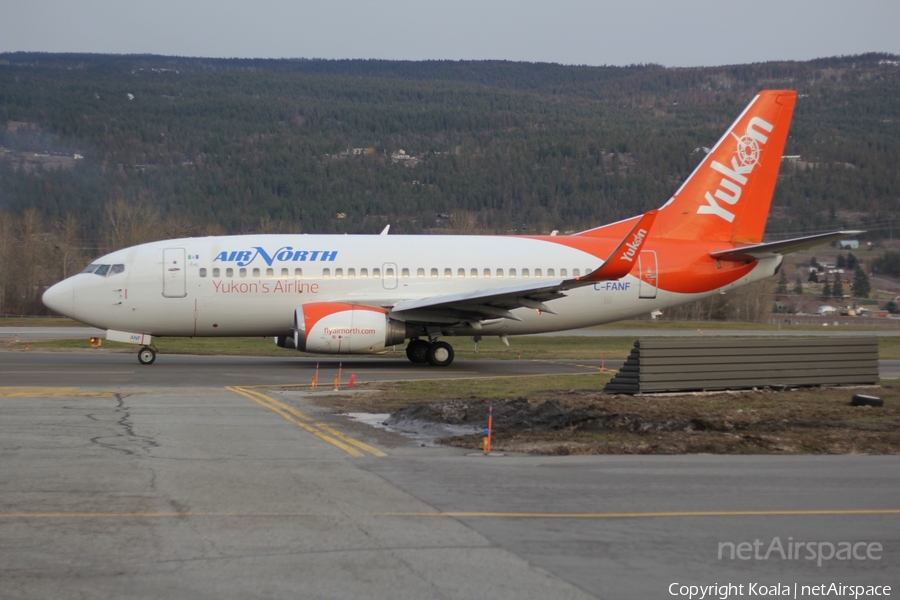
{"x":837,"y":290}
{"x":852,"y":261}
{"x":826,"y":288}
{"x":861,"y":286}
{"x":888,"y":264}
{"x":782,"y":288}
{"x":841,"y":261}
{"x":798,"y":286}
{"x":892,"y":307}
{"x":813,"y":277}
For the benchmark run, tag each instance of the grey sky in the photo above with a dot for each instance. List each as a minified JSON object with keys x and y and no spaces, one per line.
{"x":669,"y":32}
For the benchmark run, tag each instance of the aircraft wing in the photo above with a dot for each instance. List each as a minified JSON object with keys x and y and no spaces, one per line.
{"x":496,"y":303}
{"x":758,"y":251}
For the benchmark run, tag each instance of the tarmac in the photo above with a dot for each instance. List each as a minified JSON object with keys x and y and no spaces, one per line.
{"x":222,"y":477}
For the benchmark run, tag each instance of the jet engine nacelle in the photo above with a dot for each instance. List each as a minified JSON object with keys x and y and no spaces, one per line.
{"x":341,"y":328}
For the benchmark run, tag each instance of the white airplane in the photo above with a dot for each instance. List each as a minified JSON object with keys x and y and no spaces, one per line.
{"x":358,"y":294}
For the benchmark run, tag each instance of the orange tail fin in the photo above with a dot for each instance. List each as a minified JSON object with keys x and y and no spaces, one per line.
{"x":728,"y":195}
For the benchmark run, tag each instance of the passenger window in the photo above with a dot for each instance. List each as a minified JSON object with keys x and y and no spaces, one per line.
{"x":461,"y":273}
{"x":389,"y":272}
{"x":576,"y":272}
{"x":405,"y":273}
{"x":284,"y":273}
{"x":448,"y":272}
{"x":116,"y":269}
{"x":364,"y":273}
{"x":339,"y":273}
{"x":102,"y":270}
{"x":434,"y":273}
{"x":512,"y":272}
{"x":551,"y":273}
{"x":229,"y":272}
{"x":420,"y":272}
{"x":202,"y":272}
{"x":351,"y":273}
{"x":376,"y":272}
{"x":270,"y":273}
{"x":243,"y":272}
{"x":326,"y":273}
{"x":216,"y":272}
{"x":524,"y":272}
{"x":563,"y":273}
{"x":499,"y":272}
{"x":537,"y":272}
{"x":473,"y":273}
{"x":298,"y":273}
{"x":588,"y":272}
{"x":487,"y":272}
{"x":256,"y":272}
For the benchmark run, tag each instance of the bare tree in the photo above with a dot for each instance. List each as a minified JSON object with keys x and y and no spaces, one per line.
{"x":68,"y":244}
{"x":131,"y":224}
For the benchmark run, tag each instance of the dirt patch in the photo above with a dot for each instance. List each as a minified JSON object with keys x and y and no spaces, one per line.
{"x":805,"y":421}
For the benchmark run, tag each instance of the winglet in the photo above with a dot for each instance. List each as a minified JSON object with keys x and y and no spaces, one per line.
{"x":622,"y":260}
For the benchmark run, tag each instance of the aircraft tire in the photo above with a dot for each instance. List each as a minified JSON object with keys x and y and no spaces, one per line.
{"x":440,"y":354}
{"x":146,"y":356}
{"x":417,"y":351}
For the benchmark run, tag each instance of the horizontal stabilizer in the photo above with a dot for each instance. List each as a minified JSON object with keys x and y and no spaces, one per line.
{"x":758,"y":251}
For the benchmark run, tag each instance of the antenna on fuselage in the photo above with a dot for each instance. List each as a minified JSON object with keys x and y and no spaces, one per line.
{"x":385,"y":230}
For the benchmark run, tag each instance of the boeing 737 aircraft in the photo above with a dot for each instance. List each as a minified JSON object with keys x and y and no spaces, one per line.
{"x":351,"y":294}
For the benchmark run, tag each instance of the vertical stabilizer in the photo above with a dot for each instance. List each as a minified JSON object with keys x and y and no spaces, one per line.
{"x":728,"y":195}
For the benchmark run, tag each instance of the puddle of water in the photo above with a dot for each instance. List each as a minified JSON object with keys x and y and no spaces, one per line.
{"x":424,"y":433}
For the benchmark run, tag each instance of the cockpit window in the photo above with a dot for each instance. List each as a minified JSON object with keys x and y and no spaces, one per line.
{"x":104,"y":270}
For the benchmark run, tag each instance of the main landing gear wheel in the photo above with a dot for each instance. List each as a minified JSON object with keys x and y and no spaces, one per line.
{"x":417,"y":351}
{"x":147,"y":355}
{"x":440,"y":354}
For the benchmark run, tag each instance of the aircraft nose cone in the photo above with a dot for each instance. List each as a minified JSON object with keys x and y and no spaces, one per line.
{"x":60,"y":298}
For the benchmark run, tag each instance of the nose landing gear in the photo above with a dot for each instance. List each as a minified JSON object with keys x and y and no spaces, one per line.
{"x":146,"y":355}
{"x":437,"y":354}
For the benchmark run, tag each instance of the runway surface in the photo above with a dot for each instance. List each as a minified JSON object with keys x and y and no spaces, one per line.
{"x":45,"y":333}
{"x":186,"y":479}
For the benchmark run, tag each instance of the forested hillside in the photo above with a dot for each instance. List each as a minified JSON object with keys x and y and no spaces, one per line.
{"x":103,"y":151}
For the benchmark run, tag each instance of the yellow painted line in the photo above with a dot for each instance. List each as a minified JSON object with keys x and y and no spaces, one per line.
{"x":456,"y":514}
{"x":323,"y":432}
{"x":273,"y":402}
{"x":64,"y":372}
{"x":295,"y":420}
{"x":41,"y":392}
{"x":354,"y":442}
{"x":269,"y":402}
{"x":653,"y":515}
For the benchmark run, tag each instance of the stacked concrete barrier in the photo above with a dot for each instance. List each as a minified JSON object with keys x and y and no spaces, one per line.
{"x":674,"y":365}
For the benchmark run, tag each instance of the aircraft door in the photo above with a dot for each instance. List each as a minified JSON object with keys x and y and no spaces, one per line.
{"x":174,"y":271}
{"x":389,"y":276}
{"x":649,"y":270}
